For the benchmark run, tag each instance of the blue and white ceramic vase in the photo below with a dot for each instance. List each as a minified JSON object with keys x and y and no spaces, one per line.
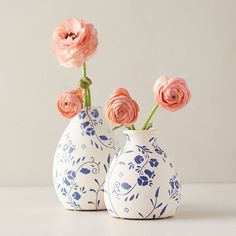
{"x":82,"y":159}
{"x":142,"y":182}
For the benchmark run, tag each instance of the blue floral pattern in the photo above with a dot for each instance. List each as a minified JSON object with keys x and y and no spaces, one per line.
{"x":78,"y":174}
{"x":174,"y":189}
{"x":134,"y":171}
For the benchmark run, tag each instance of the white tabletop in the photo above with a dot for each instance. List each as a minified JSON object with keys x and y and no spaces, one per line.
{"x":207,"y":209}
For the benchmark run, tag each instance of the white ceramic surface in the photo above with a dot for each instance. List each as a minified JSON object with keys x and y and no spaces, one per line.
{"x":142,"y":182}
{"x":81,"y":161}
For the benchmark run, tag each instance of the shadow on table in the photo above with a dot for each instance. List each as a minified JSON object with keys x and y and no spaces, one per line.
{"x":188,"y":212}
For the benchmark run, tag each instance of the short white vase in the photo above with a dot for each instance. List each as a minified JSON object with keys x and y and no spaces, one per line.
{"x":142,"y":182}
{"x":82,"y":159}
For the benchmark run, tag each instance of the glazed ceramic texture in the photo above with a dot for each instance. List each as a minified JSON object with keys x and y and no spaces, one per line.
{"x":82,"y":159}
{"x":142,"y":181}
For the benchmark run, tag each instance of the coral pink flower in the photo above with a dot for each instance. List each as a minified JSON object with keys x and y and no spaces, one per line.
{"x":121,"y":108}
{"x":171,"y":93}
{"x":74,"y":42}
{"x":70,"y":103}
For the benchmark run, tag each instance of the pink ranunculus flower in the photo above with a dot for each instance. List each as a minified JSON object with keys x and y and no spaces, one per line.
{"x":171,"y":93}
{"x":74,"y":42}
{"x":121,"y":109}
{"x":70,"y":103}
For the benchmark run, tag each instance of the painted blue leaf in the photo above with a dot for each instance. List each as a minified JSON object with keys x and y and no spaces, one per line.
{"x":157,"y":192}
{"x":163,"y":210}
{"x":96,"y":145}
{"x":109,"y":159}
{"x":103,"y":137}
{"x":152,"y":202}
{"x":140,"y":215}
{"x":105,"y":168}
{"x":91,"y":202}
{"x":110,"y":210}
{"x":63,"y":191}
{"x":150,"y":140}
{"x":98,"y":202}
{"x":96,"y":181}
{"x":85,"y":171}
{"x":158,"y":205}
{"x":125,"y":186}
{"x":131,"y":198}
{"x":92,"y":190}
{"x":121,"y":163}
{"x":129,"y":151}
{"x":126,"y":199}
{"x":137,"y":195}
{"x":78,"y":160}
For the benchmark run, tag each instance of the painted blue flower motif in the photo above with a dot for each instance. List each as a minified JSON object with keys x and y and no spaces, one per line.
{"x":149,"y":173}
{"x":138,"y":159}
{"x":153,"y":162}
{"x":76,"y":195}
{"x":143,"y":180}
{"x":71,"y":174}
{"x":174,"y":183}
{"x":95,"y":113}
{"x":82,"y":114}
{"x":66,"y":182}
{"x":84,"y":124}
{"x":90,"y":131}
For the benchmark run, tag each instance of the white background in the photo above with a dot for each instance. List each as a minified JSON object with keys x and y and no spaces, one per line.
{"x":139,"y":41}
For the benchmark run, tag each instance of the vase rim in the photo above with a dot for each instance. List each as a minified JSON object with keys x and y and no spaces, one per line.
{"x":141,"y":132}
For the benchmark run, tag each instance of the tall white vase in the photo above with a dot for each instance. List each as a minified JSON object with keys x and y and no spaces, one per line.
{"x":82,"y":159}
{"x":142,"y":182}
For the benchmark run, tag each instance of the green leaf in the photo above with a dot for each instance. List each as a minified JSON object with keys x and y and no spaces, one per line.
{"x":117,"y":127}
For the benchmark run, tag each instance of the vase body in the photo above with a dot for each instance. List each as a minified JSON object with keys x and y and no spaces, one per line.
{"x":142,"y":182}
{"x":82,"y":159}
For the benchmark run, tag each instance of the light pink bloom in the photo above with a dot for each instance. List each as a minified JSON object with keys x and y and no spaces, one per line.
{"x":171,"y":93}
{"x":70,"y":103}
{"x":121,"y":109}
{"x":74,"y":42}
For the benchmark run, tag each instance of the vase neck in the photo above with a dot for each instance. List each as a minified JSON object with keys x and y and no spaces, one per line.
{"x":141,"y":137}
{"x":89,"y":113}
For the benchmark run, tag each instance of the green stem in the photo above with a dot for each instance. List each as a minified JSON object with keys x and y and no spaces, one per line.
{"x":150,"y":116}
{"x":87,"y":96}
{"x":84,"y":70}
